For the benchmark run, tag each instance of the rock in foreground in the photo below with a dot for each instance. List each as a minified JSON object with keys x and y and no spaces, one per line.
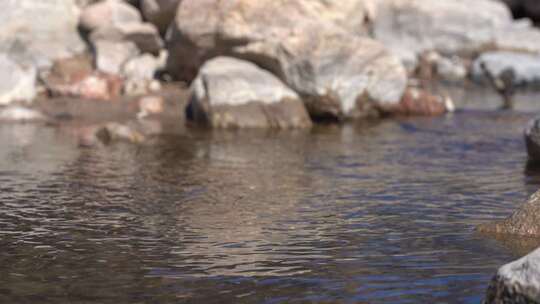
{"x":517,"y":282}
{"x":532,"y":139}
{"x":234,"y":93}
{"x":525,"y":221}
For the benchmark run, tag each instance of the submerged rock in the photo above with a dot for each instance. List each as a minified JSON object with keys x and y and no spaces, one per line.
{"x":16,"y":82}
{"x":232,"y":93}
{"x":517,"y":282}
{"x":115,"y":132}
{"x":532,"y":140}
{"x":525,"y":221}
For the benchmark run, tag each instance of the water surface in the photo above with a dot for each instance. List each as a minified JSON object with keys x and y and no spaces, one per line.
{"x":367,"y":213}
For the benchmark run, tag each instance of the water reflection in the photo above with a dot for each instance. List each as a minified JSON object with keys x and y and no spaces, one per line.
{"x":373,"y":212}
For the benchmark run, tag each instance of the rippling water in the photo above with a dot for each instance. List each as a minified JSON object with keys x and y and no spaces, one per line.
{"x":367,"y":213}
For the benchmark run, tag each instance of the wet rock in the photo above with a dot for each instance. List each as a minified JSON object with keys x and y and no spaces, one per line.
{"x":17,"y":82}
{"x":418,"y":102}
{"x":532,"y":140}
{"x":232,"y":93}
{"x":517,"y":282}
{"x":207,"y":28}
{"x":38,"y":32}
{"x":159,"y":12}
{"x":108,"y":13}
{"x":112,"y":55}
{"x":525,"y":67}
{"x":410,"y":27}
{"x":20,"y":114}
{"x":525,"y":221}
{"x":116,"y":132}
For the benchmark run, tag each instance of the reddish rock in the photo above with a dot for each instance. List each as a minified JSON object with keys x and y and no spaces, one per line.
{"x":418,"y":102}
{"x":75,"y":77}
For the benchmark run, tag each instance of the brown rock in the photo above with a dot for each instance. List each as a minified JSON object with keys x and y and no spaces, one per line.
{"x":418,"y":102}
{"x":525,"y":221}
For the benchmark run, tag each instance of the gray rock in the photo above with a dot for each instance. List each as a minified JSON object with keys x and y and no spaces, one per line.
{"x":108,"y":13}
{"x":159,"y":12}
{"x":336,"y":74}
{"x":519,"y":37}
{"x":410,"y":27}
{"x":451,"y":69}
{"x":207,"y":28}
{"x":112,"y":55}
{"x":38,"y":32}
{"x":526,"y":67}
{"x":139,"y":74}
{"x":532,"y":139}
{"x":232,"y":93}
{"x":517,"y":282}
{"x":525,"y":221}
{"x":144,"y":35}
{"x":20,"y":114}
{"x":316,"y":49}
{"x":16,"y":82}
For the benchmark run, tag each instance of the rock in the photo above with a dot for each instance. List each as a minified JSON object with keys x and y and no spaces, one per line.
{"x":337,"y":75}
{"x":206,"y":28}
{"x":159,"y":12}
{"x":108,"y":13}
{"x":313,"y":49}
{"x":451,"y":69}
{"x":517,"y":282}
{"x":141,"y":67}
{"x":111,"y":55}
{"x":20,"y":114}
{"x":139,"y":74}
{"x":232,"y":93}
{"x":144,"y":35}
{"x":38,"y":32}
{"x":74,"y":77}
{"x":417,"y":102}
{"x":150,"y":105}
{"x":16,"y":82}
{"x":411,"y":27}
{"x":518,"y":37}
{"x":116,"y":132}
{"x":525,"y":67}
{"x":532,"y":139}
{"x":525,"y":221}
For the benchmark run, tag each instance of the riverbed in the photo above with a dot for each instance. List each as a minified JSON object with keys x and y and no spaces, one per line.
{"x":372,"y":212}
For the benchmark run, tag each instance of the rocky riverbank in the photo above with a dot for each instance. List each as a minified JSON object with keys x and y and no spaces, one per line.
{"x":337,"y":61}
